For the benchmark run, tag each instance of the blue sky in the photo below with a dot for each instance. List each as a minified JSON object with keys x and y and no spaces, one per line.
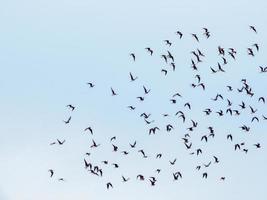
{"x":50,"y":49}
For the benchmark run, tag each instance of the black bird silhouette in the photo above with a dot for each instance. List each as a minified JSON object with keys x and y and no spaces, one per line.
{"x":133,"y":78}
{"x":109,"y":185}
{"x":94,"y":144}
{"x":133,"y":56}
{"x":113,"y":93}
{"x":125,"y":179}
{"x":87,"y":164}
{"x":230,"y":137}
{"x":131,"y":107}
{"x":258,"y":145}
{"x":180,"y":34}
{"x":143,"y":153}
{"x":261,"y":99}
{"x":173,"y":162}
{"x":195,"y":36}
{"x":168,"y":42}
{"x":188,"y":105}
{"x":71,"y":107}
{"x":61,"y":142}
{"x":216,"y":160}
{"x":133,"y":145}
{"x":164,"y":71}
{"x":91,"y":85}
{"x":205,"y":175}
{"x":51,"y":172}
{"x":253,"y":28}
{"x":149,"y":50}
{"x":67,"y":121}
{"x":146,"y":90}
{"x":140,"y":177}
{"x":89,"y":129}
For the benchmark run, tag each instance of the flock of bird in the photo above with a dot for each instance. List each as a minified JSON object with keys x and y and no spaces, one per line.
{"x":231,"y":109}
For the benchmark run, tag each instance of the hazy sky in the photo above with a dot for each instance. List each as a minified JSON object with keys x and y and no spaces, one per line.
{"x":50,"y":49}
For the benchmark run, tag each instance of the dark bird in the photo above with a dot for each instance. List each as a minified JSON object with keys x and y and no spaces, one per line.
{"x":143,"y":153}
{"x":91,"y":85}
{"x":131,"y":107}
{"x":133,"y":56}
{"x":205,"y":175}
{"x":258,"y":145}
{"x":263,"y":69}
{"x":158,"y":155}
{"x":230,"y":137}
{"x":51,"y":172}
{"x":165,"y":58}
{"x":253,"y":28}
{"x":113,"y":93}
{"x":133,"y":145}
{"x":89,"y":129}
{"x":140,"y":177}
{"x":173,"y":162}
{"x":68,"y":120}
{"x":71,"y":107}
{"x":149,"y":50}
{"x":256,"y":46}
{"x":109,"y":185}
{"x":61,"y":142}
{"x":180,"y":34}
{"x":115,"y":165}
{"x":115,"y":148}
{"x":261,"y":99}
{"x":195,"y":36}
{"x":113,"y":138}
{"x":167,"y":42}
{"x":202,"y":85}
{"x":188,"y":105}
{"x":216,"y":160}
{"x":94,"y":144}
{"x":86,"y":164}
{"x":164,"y":71}
{"x":146,"y":90}
{"x":125,"y":179}
{"x":133,"y":78}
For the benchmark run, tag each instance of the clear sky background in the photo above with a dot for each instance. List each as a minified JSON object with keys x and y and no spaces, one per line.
{"x":50,"y":49}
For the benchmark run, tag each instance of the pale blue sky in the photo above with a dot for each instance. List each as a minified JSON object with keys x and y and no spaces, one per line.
{"x":50,"y":49}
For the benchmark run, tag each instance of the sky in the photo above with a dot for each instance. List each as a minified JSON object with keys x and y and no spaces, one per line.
{"x":49,"y":50}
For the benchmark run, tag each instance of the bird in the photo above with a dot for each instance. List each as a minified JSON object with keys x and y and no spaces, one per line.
{"x":149,"y":50}
{"x":167,"y":42}
{"x":195,"y":36}
{"x":146,"y":90}
{"x":140,"y":177}
{"x":109,"y":185}
{"x":253,"y":28}
{"x":173,"y":162}
{"x":125,"y":179}
{"x":91,"y":85}
{"x":71,"y":107}
{"x":133,"y":78}
{"x":51,"y":172}
{"x":133,"y":56}
{"x":257,"y":145}
{"x":133,"y":145}
{"x":205,"y":175}
{"x":180,"y":34}
{"x":113,"y":93}
{"x":67,"y":121}
{"x":94,"y":144}
{"x":61,"y":142}
{"x":89,"y":129}
{"x":86,"y":164}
